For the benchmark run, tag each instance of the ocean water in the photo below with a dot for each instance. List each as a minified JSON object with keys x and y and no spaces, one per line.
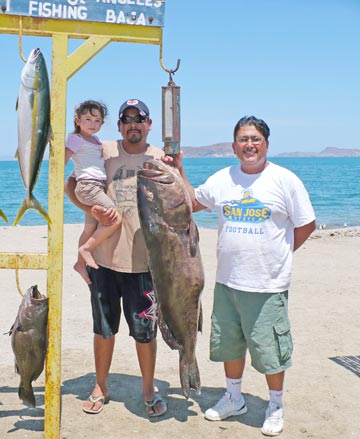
{"x":332,"y":184}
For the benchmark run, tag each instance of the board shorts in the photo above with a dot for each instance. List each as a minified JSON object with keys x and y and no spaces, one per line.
{"x":257,"y":322}
{"x":136,"y":290}
{"x":91,"y":192}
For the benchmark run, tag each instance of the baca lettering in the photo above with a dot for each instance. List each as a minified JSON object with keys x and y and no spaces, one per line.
{"x":120,"y":18}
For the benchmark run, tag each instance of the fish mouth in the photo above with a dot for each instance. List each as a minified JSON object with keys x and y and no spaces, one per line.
{"x":36,"y":295}
{"x":156,"y":173}
{"x":34,"y":55}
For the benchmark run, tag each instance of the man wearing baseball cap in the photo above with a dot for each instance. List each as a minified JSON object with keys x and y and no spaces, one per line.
{"x":138,"y":105}
{"x":123,"y":271}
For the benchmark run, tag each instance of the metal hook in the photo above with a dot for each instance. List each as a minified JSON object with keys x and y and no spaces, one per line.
{"x":170,"y":71}
{"x":18,"y":282}
{"x":21,"y":292}
{"x":20,"y":41}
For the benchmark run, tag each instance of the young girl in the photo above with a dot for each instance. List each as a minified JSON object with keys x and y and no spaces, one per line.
{"x":85,"y":150}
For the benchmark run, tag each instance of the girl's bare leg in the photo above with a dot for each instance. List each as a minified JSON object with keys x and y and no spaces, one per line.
{"x":80,"y":264}
{"x":101,"y":233}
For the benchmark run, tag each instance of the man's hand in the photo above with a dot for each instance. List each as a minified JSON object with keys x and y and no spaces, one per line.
{"x":174,"y":160}
{"x":105,"y":217}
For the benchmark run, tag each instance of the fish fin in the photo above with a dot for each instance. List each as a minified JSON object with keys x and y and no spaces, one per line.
{"x":167,"y":335}
{"x":26,"y":394}
{"x":50,"y":135}
{"x":13,"y":329}
{"x":189,"y":376}
{"x":3,"y":216}
{"x":31,"y":203}
{"x":200,"y":321}
{"x":194,"y":238}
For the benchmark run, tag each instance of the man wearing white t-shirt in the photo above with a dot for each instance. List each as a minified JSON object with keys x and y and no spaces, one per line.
{"x":265,"y":214}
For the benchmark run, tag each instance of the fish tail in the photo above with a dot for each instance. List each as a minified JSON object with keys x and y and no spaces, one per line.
{"x":189,"y":377}
{"x":31,"y":203}
{"x":3,"y":216}
{"x":26,"y":394}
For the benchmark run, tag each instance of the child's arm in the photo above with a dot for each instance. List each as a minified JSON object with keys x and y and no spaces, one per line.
{"x":68,"y":154}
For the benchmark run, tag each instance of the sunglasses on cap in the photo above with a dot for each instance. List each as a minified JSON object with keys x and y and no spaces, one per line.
{"x":129,"y":119}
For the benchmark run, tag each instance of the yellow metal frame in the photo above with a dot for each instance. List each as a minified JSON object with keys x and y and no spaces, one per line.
{"x":64,"y":66}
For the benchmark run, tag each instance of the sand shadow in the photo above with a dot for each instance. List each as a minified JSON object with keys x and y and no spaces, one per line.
{"x":349,"y":362}
{"x":256,"y":406}
{"x":126,"y":389}
{"x":29,"y":418}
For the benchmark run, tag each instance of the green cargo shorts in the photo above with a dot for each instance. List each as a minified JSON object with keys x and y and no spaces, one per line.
{"x":255,"y":321}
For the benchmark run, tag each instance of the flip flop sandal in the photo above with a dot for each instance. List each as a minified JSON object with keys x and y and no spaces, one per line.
{"x":94,"y":400}
{"x":150,"y":405}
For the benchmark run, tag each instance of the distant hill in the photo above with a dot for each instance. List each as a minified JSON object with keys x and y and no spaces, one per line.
{"x":225,"y":150}
{"x":327,"y":152}
{"x":217,"y":150}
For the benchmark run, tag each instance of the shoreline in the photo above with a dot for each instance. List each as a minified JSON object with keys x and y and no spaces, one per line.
{"x":325,"y":231}
{"x":338,"y":231}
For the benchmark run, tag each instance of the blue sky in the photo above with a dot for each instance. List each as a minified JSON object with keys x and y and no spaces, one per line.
{"x":294,"y":63}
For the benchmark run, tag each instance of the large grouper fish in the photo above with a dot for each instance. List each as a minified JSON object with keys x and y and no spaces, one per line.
{"x":29,"y":341}
{"x":172,"y":242}
{"x":34,"y":132}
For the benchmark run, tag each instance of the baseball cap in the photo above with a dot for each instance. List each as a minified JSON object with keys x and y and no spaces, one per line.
{"x":134,"y":103}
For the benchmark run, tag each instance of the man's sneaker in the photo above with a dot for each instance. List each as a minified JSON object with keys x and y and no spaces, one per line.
{"x":226,"y":407}
{"x":274,"y":420}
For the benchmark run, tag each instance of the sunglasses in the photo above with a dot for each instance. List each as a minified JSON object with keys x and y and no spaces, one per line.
{"x":129,"y":119}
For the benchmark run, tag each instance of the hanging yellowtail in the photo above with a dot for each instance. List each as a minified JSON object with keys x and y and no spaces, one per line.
{"x":34,"y":132}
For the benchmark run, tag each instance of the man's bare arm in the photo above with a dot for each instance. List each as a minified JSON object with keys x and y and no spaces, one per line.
{"x":105,"y":217}
{"x":301,"y":234}
{"x":70,"y":185}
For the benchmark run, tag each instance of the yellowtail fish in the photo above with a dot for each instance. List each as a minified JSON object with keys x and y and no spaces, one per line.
{"x":34,"y":132}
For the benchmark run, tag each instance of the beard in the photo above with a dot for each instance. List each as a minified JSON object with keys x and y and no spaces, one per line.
{"x":134,"y":137}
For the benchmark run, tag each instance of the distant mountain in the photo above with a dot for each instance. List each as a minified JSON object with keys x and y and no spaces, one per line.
{"x":225,"y":150}
{"x":327,"y":152}
{"x":217,"y":150}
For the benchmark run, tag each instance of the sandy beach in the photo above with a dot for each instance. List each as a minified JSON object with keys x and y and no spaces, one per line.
{"x":322,"y":389}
